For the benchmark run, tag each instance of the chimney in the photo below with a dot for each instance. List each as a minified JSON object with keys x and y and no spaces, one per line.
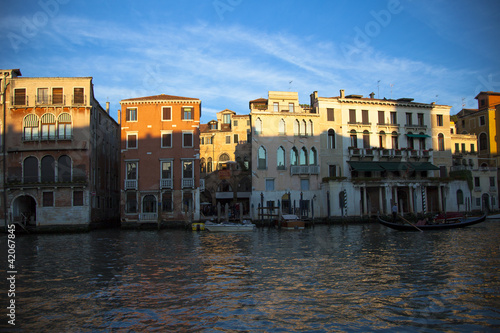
{"x":107,"y":107}
{"x":372,"y":95}
{"x":342,"y":93}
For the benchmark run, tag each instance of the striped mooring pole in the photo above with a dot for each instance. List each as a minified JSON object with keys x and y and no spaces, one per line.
{"x":424,"y":201}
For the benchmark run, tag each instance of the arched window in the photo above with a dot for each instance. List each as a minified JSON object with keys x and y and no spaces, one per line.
{"x":64,"y":168}
{"x":203,"y":166}
{"x":262,"y":158}
{"x":409,"y":141}
{"x":331,"y":139}
{"x":294,"y":156}
{"x":303,"y":156}
{"x":224,"y":157}
{"x":224,"y":186}
{"x":246,"y":163}
{"x":64,"y":126}
{"x":296,"y":127}
{"x":303,"y":128}
{"x":381,"y":139}
{"x":48,"y":169}
{"x":282,"y":127}
{"x":354,"y":139}
{"x":30,"y":127}
{"x":209,"y":165}
{"x":366,"y":139}
{"x":394,"y":139}
{"x":30,"y":170}
{"x":460,"y":197}
{"x":440,"y":142}
{"x":48,"y":121}
{"x":149,"y":204}
{"x":258,"y":126}
{"x":313,"y":157}
{"x":483,"y":141}
{"x":280,"y":159}
{"x":310,"y":128}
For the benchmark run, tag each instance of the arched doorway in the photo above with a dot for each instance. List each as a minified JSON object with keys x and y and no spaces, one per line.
{"x":24,"y":210}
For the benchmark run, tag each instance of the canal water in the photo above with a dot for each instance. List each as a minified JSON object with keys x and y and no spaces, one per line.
{"x":324,"y":279}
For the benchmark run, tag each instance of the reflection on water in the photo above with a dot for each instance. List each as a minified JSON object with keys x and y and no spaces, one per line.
{"x":330,"y":278}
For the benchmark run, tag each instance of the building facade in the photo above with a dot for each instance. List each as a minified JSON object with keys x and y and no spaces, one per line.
{"x":285,"y":156}
{"x":225,"y":160}
{"x":160,"y":170}
{"x":377,"y":152}
{"x":61,"y":153}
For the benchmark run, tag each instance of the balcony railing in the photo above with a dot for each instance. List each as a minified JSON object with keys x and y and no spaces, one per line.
{"x":304,"y":170}
{"x":187,"y":182}
{"x":166,"y":183}
{"x":148,"y":216}
{"x":131,"y":184}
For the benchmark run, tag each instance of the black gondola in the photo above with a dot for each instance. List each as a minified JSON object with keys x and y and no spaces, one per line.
{"x":408,"y":227}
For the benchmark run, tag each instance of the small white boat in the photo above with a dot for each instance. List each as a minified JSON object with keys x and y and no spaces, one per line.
{"x":228,"y":226}
{"x":495,"y":216}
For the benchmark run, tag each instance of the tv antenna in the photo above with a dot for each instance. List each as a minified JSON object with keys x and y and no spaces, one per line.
{"x":378,"y":89}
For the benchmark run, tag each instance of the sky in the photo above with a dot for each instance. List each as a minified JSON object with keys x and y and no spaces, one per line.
{"x":228,"y":52}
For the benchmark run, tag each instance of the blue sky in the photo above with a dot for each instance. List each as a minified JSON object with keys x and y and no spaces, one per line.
{"x":228,"y":52}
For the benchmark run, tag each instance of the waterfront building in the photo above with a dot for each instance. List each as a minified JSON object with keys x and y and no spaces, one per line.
{"x":60,"y":153}
{"x":484,"y":123}
{"x":225,"y":162}
{"x":285,"y":156}
{"x":160,"y":147}
{"x":377,"y":152}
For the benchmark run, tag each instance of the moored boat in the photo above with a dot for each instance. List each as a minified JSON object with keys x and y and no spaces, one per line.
{"x":464,"y":222}
{"x":290,"y":222}
{"x":228,"y":226}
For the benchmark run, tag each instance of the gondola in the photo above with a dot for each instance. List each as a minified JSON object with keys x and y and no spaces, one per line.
{"x":408,"y":227}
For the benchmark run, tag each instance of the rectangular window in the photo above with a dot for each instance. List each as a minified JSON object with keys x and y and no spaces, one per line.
{"x":187,"y":113}
{"x":332,"y":171}
{"x":463,"y":147}
{"x":443,"y":172}
{"x":235,"y":123}
{"x":166,"y":170}
{"x":457,"y":148}
{"x":131,"y":141}
{"x":394,"y":118}
{"x":439,"y":120}
{"x":20,"y":96}
{"x":330,"y":114}
{"x":42,"y":96}
{"x":187,"y":140}
{"x":228,"y":139}
{"x":352,"y":116}
{"x":166,"y":140}
{"x":187,"y":169}
{"x":472,"y":148}
{"x":381,"y":117}
{"x":78,"y":96}
{"x":131,"y":205}
{"x":57,"y":95}
{"x":492,"y":181}
{"x":269,"y":184}
{"x":131,"y":170}
{"x":77,"y":198}
{"x":482,"y":121}
{"x":48,"y":199}
{"x":364,"y":117}
{"x":236,"y":138}
{"x":478,"y":202}
{"x":409,"y":119}
{"x":477,"y":182}
{"x":64,"y":131}
{"x":167,"y":202}
{"x":226,"y":119}
{"x":304,"y":184}
{"x":420,"y":119}
{"x":290,"y":107}
{"x":276,"y":107}
{"x":131,"y":114}
{"x":166,"y":113}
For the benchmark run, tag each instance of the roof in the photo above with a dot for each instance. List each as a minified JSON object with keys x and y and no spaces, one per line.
{"x":259,"y":100}
{"x":161,"y":97}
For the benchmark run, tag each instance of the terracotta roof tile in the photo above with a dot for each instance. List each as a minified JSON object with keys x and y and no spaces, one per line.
{"x":161,"y":97}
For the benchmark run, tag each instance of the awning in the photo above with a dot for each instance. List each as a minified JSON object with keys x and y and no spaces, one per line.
{"x":365,"y":166}
{"x":393,"y":166}
{"x":418,"y":135}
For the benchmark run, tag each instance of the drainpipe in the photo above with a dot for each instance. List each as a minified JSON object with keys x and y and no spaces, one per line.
{"x":4,"y":149}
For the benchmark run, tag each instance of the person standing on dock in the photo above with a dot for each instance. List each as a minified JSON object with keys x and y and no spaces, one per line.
{"x":394,"y":212}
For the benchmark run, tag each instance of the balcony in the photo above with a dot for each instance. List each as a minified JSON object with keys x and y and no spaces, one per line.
{"x":187,"y":182}
{"x":493,"y":189}
{"x":368,"y":152}
{"x":304,"y":170}
{"x":130,"y":184}
{"x":166,"y":183}
{"x":354,"y":152}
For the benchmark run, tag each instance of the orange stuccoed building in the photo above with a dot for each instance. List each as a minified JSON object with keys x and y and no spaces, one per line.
{"x":160,"y":173}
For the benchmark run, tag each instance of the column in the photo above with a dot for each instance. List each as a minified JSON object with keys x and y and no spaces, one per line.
{"x":380,"y":201}
{"x":440,"y":198}
{"x":365,"y":203}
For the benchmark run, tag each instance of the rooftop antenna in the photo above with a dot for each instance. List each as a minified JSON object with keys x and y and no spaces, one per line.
{"x":378,"y":89}
{"x":463,"y":102}
{"x":392,"y":85}
{"x":437,"y":98}
{"x":290,"y":85}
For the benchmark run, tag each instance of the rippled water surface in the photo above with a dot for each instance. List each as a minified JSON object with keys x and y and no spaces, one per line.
{"x":324,"y":279}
